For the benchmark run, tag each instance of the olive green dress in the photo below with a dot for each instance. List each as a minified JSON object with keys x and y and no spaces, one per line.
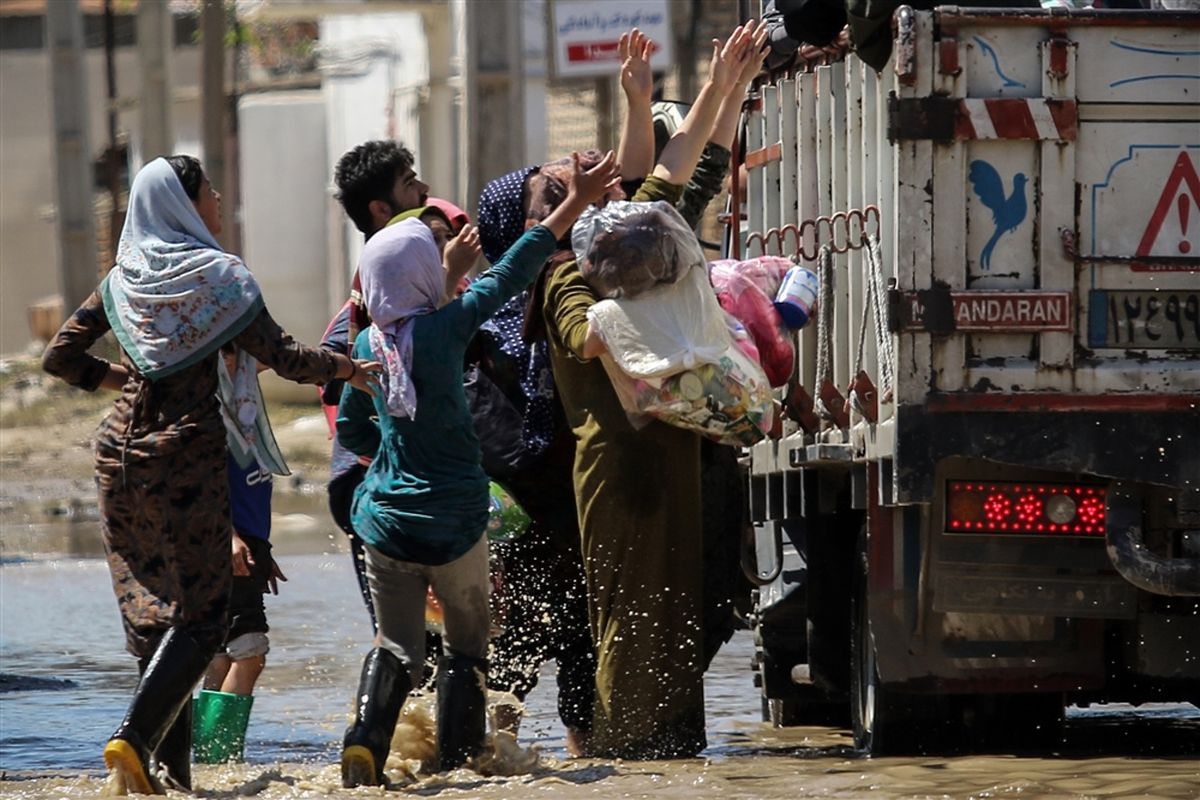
{"x":640,"y":519}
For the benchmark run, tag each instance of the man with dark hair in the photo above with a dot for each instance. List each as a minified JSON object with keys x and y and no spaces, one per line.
{"x":376,"y":181}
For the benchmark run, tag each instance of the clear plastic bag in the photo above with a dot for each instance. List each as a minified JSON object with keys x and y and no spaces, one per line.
{"x":625,"y":249}
{"x":728,"y":402}
{"x":676,"y":356}
{"x":664,"y":331}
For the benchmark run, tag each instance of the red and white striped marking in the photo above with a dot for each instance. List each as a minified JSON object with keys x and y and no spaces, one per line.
{"x":1016,"y":118}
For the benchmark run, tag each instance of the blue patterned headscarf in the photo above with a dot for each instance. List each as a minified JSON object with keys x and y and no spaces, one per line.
{"x":174,"y":296}
{"x":501,"y":222}
{"x":501,"y":215}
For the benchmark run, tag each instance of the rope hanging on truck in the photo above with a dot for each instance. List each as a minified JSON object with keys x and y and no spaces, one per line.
{"x":825,"y":307}
{"x":874,"y":307}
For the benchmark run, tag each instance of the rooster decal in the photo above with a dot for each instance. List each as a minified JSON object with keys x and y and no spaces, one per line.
{"x":1007,"y":212}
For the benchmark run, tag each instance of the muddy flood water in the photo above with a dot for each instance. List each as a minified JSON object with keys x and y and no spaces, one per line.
{"x":66,"y":680}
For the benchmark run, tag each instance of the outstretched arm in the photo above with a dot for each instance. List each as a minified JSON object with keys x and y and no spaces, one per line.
{"x":635,"y":152}
{"x":681,"y":154}
{"x":730,"y":112}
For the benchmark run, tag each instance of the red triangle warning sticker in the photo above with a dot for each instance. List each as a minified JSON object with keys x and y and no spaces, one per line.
{"x":1183,"y":207}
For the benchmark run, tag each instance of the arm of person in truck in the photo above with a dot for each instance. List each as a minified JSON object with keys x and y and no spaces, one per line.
{"x":729,"y":61}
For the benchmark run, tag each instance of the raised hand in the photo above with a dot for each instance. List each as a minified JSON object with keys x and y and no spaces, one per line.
{"x":461,"y":253}
{"x":637,"y":79}
{"x":730,"y":59}
{"x":758,"y":51}
{"x":591,"y":185}
{"x":586,"y":188}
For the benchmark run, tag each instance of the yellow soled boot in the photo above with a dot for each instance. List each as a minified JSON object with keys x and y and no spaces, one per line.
{"x":130,"y":770}
{"x":165,"y":687}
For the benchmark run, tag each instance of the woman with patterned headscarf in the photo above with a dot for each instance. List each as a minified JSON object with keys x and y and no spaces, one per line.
{"x":173,"y":299}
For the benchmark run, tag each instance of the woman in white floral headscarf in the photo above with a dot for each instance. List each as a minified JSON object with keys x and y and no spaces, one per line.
{"x":173,"y":299}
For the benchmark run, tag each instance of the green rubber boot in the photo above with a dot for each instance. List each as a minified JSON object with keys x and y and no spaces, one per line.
{"x":220,"y":720}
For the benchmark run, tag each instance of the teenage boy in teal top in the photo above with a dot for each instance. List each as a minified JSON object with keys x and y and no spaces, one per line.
{"x":422,"y":508}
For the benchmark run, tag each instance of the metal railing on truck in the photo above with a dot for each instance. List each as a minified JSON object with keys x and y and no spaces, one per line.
{"x":845,"y":164}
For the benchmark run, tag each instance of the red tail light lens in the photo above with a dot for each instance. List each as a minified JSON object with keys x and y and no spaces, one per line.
{"x":1024,"y":508}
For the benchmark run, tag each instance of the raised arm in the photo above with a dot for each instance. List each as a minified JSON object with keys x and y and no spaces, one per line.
{"x":461,"y":254}
{"x":681,"y":154}
{"x":522,"y":262}
{"x":636,"y":149}
{"x":730,"y":112}
{"x":586,"y":188}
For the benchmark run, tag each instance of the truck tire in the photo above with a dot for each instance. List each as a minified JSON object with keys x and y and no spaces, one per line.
{"x":874,"y":712}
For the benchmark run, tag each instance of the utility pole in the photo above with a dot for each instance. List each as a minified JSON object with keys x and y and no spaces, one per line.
{"x":493,"y":90}
{"x":607,"y":117}
{"x":154,"y":57}
{"x":438,"y":150}
{"x":112,"y":155}
{"x":73,"y":153}
{"x":212,"y":103}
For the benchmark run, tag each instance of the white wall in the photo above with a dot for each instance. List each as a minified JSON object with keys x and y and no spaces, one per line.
{"x":28,"y":243}
{"x":373,"y":69}
{"x":284,"y":171}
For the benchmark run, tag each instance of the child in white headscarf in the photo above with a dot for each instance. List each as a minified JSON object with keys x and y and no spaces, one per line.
{"x":422,"y":508}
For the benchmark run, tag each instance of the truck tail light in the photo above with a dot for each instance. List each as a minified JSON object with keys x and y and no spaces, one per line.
{"x":1024,"y":508}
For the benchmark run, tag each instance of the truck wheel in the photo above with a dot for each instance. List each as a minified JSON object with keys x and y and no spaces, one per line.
{"x":872,"y":709}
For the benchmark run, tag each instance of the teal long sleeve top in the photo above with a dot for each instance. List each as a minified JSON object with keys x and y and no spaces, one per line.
{"x":425,"y":496}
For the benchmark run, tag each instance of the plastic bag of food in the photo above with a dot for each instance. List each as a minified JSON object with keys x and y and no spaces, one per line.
{"x":506,"y":519}
{"x":744,"y":298}
{"x":624,"y":249}
{"x":666,"y":330}
{"x":728,"y":401}
{"x":673,"y":354}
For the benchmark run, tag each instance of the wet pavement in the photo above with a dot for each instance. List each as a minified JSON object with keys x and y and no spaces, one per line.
{"x":68,"y":681}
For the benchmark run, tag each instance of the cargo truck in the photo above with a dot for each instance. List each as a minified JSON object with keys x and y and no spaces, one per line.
{"x":984,"y":504}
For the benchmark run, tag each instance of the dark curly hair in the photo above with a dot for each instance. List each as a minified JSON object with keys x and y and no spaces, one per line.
{"x":190,"y":174}
{"x":366,"y":173}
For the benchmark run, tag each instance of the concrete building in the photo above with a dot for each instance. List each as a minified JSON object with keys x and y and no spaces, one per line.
{"x":28,"y":242}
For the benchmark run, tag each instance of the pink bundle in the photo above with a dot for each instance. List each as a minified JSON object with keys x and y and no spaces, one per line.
{"x":745,"y":290}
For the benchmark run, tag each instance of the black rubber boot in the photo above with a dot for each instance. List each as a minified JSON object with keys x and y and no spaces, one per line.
{"x":461,"y":709}
{"x":174,"y":753}
{"x":382,"y":689}
{"x":166,"y":686}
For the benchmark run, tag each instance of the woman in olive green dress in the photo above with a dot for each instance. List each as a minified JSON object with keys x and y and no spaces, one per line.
{"x":638,"y":491}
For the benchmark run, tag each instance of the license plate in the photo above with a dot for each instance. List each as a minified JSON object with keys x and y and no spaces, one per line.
{"x":1163,"y":319}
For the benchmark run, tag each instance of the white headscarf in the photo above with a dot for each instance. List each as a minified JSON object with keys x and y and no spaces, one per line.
{"x":174,"y":297}
{"x":402,"y":278}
